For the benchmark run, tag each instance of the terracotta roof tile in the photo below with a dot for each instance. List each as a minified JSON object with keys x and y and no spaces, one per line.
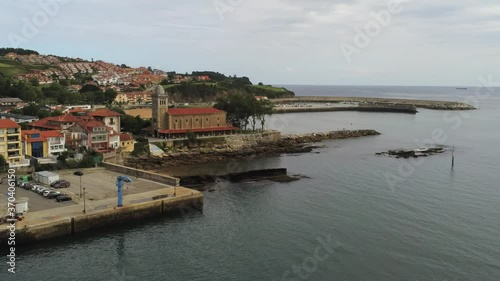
{"x":104,"y":113}
{"x":8,"y":124}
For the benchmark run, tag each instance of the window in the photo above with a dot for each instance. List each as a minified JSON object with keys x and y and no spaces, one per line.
{"x":111,"y":121}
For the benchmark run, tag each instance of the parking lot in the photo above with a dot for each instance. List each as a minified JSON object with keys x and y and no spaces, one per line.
{"x":99,"y":184}
{"x":36,"y":202}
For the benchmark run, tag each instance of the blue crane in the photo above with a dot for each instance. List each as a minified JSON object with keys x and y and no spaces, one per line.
{"x":119,"y":183}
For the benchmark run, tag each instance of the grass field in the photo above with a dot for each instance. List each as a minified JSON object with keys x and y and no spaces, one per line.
{"x":11,"y":67}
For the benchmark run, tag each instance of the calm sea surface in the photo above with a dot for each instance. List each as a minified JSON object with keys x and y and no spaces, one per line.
{"x":383,"y":219}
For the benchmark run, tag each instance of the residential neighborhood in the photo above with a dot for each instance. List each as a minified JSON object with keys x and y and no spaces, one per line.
{"x":79,"y":129}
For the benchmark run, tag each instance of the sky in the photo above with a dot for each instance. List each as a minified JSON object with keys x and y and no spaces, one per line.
{"x":279,"y":42}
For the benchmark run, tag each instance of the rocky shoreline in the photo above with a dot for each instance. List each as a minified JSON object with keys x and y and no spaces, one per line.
{"x":284,"y":144}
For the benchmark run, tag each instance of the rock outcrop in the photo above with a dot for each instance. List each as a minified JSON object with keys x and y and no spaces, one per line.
{"x":253,"y":148}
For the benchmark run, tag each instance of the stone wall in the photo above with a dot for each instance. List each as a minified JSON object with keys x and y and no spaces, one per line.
{"x":105,"y":218}
{"x":142,"y":174}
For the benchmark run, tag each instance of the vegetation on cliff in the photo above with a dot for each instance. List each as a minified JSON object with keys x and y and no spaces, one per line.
{"x":243,"y":110}
{"x":218,"y":85}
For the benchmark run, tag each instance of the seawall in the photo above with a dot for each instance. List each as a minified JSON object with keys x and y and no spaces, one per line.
{"x":429,"y":104}
{"x":26,"y":234}
{"x":142,"y":174}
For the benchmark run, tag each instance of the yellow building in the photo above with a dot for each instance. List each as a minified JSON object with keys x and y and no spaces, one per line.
{"x":10,"y":141}
{"x":127,"y":142}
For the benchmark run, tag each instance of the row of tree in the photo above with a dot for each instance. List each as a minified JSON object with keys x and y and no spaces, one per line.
{"x":19,"y":51}
{"x":244,"y":110}
{"x":55,"y":93}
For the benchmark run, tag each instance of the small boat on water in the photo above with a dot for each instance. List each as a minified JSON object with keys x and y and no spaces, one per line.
{"x":461,"y":88}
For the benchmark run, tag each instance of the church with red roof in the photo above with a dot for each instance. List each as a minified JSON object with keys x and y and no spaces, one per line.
{"x":176,"y":122}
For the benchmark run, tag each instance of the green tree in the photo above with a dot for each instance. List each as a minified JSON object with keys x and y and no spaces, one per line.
{"x":239,"y":108}
{"x":264,"y":108}
{"x":3,"y":163}
{"x":34,"y":82}
{"x":109,"y":96}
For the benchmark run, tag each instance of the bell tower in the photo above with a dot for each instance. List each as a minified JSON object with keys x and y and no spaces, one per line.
{"x":160,"y":109}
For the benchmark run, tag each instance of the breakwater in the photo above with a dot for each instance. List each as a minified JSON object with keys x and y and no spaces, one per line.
{"x":380,"y":103}
{"x":37,"y":228}
{"x":409,"y":109}
{"x":244,"y":148}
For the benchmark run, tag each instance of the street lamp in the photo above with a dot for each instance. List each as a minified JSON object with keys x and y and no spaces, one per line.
{"x":84,"y":211}
{"x":80,"y":186}
{"x":80,"y":174}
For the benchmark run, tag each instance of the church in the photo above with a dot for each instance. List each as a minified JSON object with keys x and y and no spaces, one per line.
{"x":171,"y":123}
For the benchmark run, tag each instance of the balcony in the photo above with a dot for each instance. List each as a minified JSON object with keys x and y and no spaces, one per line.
{"x":13,"y":131}
{"x":13,"y":147}
{"x":20,"y":163}
{"x":13,"y":139}
{"x":13,"y":155}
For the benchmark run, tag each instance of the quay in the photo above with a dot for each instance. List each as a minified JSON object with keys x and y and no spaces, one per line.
{"x":377,"y":104}
{"x":409,"y":109}
{"x":146,"y":197}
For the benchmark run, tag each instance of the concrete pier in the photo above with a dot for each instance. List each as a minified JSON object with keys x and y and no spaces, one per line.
{"x":70,"y":219}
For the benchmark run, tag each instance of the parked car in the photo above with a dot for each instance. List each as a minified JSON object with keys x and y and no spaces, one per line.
{"x":53,"y":194}
{"x":56,"y":182}
{"x":27,"y":186}
{"x":41,"y":189}
{"x":46,"y":192}
{"x":35,"y":187}
{"x":64,"y":184}
{"x":78,"y":173}
{"x":63,"y":198}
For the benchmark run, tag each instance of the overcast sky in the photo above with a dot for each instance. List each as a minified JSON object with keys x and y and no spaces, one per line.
{"x":427,"y":42}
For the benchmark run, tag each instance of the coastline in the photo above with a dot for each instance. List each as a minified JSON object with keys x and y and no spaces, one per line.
{"x":375,"y":103}
{"x":241,"y":147}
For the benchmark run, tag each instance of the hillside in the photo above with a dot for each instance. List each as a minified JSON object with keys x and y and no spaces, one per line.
{"x":50,"y":79}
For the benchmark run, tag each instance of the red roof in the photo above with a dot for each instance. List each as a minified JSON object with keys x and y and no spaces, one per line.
{"x":104,"y":113}
{"x":26,"y":135}
{"x":8,"y":124}
{"x":44,"y":124}
{"x":65,"y":118}
{"x":52,"y":134}
{"x":126,"y":137}
{"x":193,"y":111}
{"x":92,"y":124}
{"x":215,"y":129}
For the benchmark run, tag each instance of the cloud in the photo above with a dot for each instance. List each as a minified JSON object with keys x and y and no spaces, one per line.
{"x":261,"y":38}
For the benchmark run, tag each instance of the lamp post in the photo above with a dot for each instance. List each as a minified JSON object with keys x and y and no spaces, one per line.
{"x":84,"y":210}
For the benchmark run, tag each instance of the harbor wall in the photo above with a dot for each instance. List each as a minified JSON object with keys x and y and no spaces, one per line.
{"x":105,"y":218}
{"x":429,"y":104}
{"x":142,"y":174}
{"x":365,"y":108}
